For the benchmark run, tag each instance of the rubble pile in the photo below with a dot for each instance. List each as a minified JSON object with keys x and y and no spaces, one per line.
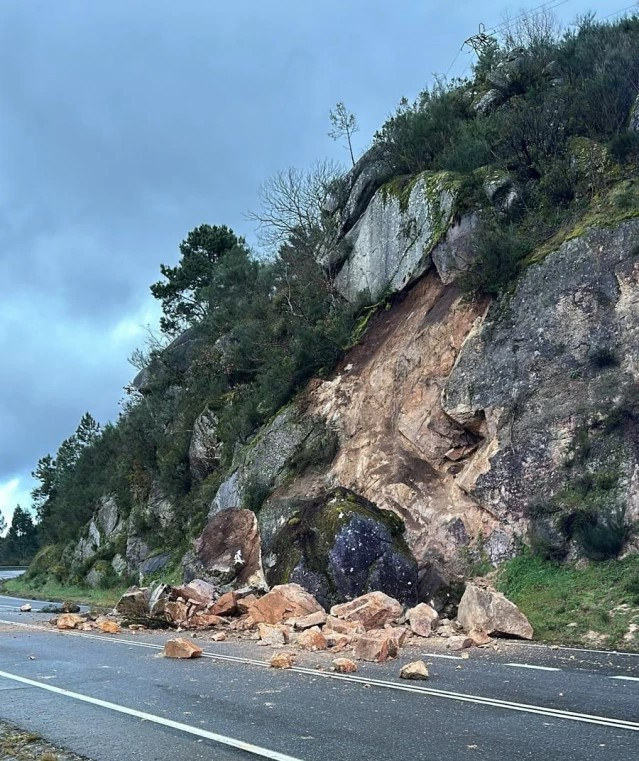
{"x":373,"y":627}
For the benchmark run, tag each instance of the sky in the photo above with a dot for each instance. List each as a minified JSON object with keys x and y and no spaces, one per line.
{"x":126,"y":123}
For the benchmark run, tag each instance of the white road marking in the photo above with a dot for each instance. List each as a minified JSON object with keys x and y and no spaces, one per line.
{"x":256,"y":750}
{"x":441,"y":655}
{"x":447,"y":694}
{"x":532,"y":666}
{"x":629,"y":678}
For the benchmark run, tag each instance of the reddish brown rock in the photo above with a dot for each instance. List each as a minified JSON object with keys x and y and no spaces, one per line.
{"x":229,"y":550}
{"x":69,"y":621}
{"x":244,"y":604}
{"x":486,"y":609}
{"x":272,"y":635}
{"x":181,"y":648}
{"x":311,"y":639}
{"x":225,"y":606}
{"x":415,"y":670}
{"x":479,"y":637}
{"x":175,"y":611}
{"x":459,"y":642}
{"x":313,"y":619}
{"x":344,"y":666}
{"x":282,"y":603}
{"x":372,"y":610}
{"x":344,"y":627}
{"x":109,"y":627}
{"x":283,"y":661}
{"x":205,"y":621}
{"x":375,"y":646}
{"x":422,"y":619}
{"x":335,"y":640}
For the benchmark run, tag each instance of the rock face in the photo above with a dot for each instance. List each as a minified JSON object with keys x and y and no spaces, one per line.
{"x":205,"y":447}
{"x":391,"y":243}
{"x":228,"y":551}
{"x":341,"y":546}
{"x":398,"y":447}
{"x":489,"y":611}
{"x":263,"y":464}
{"x":551,"y":379}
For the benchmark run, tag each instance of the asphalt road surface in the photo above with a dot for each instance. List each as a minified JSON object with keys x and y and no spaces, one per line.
{"x":10,"y":572}
{"x":115,"y":698}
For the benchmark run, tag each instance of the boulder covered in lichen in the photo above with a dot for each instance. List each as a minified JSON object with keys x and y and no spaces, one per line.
{"x":340,"y":546}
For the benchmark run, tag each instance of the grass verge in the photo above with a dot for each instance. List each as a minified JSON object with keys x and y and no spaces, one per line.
{"x":52,"y":590}
{"x":16,"y":745}
{"x":596,"y":605}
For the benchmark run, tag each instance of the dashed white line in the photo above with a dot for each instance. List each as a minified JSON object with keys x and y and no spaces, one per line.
{"x":627,"y":678}
{"x":533,"y":666}
{"x":256,"y":750}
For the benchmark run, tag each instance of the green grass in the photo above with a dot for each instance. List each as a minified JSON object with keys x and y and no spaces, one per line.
{"x":53,"y":590}
{"x":554,"y":596}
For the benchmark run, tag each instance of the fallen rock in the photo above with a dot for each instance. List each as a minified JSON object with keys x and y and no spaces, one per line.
{"x":271,"y":635}
{"x":26,"y":608}
{"x":134,"y":603}
{"x":422,"y":619}
{"x":311,"y":639}
{"x":344,"y":627}
{"x":282,"y":661}
{"x":459,"y":642}
{"x":70,"y":607}
{"x":69,"y":621}
{"x":226,"y":605}
{"x":375,"y":646}
{"x":484,"y":608}
{"x":283,"y":602}
{"x":313,"y":619}
{"x":175,"y":611}
{"x":479,"y":637}
{"x":335,"y":640}
{"x":344,"y":666}
{"x":228,"y":551}
{"x":244,"y":603}
{"x":415,"y":670}
{"x":344,"y":546}
{"x":205,"y":621}
{"x":218,"y":637}
{"x":372,"y":610}
{"x":181,"y":648}
{"x":109,"y":627}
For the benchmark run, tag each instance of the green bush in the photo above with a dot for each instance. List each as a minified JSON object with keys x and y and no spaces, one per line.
{"x":604,"y":537}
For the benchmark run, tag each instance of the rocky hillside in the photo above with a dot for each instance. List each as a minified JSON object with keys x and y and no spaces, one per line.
{"x":481,"y":261}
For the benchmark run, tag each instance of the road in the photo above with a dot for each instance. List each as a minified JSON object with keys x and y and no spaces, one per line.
{"x":115,"y":698}
{"x":10,"y":572}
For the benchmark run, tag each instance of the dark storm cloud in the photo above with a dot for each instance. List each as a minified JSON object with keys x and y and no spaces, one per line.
{"x":123,"y":124}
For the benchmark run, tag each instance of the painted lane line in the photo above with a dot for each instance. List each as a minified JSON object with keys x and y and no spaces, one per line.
{"x":628,"y":678}
{"x":556,"y":713}
{"x":441,"y":655}
{"x":532,"y":666}
{"x":256,"y":750}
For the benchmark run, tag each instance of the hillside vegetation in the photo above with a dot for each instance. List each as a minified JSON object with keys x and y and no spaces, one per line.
{"x":542,"y":142}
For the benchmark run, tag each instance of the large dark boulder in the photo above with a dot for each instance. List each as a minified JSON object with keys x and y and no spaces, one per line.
{"x":340,"y":546}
